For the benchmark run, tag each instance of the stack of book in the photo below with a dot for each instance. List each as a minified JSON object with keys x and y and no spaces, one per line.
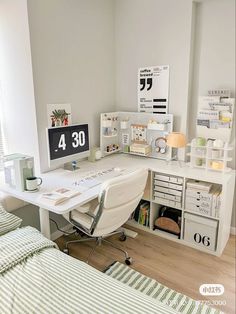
{"x":141,"y":214}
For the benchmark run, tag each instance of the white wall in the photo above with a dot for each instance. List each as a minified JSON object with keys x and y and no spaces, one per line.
{"x":18,"y":106}
{"x":72,"y":44}
{"x":153,"y":32}
{"x":214,"y":56}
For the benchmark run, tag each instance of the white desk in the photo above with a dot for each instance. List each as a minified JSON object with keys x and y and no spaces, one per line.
{"x":61,"y":178}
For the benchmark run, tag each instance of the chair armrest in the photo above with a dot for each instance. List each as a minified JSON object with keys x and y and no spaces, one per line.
{"x":88,"y":207}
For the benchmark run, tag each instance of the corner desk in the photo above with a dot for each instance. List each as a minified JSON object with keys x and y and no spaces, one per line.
{"x":63,"y":178}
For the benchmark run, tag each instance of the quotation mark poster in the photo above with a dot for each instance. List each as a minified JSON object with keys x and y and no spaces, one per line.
{"x":153,"y":89}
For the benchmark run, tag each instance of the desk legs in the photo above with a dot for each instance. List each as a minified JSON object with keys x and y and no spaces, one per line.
{"x":44,"y":222}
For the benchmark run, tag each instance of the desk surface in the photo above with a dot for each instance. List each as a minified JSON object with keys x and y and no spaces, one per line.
{"x":63,"y":178}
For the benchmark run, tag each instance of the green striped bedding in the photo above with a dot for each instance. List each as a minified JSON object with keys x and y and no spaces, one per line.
{"x":8,"y":221}
{"x":154,"y":289}
{"x":47,"y":281}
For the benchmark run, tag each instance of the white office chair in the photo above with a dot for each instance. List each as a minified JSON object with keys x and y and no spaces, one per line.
{"x":102,"y":217}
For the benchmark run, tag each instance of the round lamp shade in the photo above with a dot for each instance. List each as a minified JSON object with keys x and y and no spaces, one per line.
{"x":176,"y":140}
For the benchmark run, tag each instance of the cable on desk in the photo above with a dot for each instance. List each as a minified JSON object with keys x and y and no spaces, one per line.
{"x":65,"y":232}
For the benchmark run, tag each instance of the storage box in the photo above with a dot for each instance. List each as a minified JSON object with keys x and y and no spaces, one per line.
{"x":164,"y":201}
{"x":168,"y":178}
{"x":168,"y":185}
{"x":205,"y":196}
{"x":167,"y":190}
{"x":198,"y":201}
{"x":140,"y":149}
{"x":202,"y":209}
{"x":168,"y":196}
{"x":200,"y":231}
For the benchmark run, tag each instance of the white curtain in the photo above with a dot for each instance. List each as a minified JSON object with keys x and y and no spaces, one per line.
{"x":2,"y":137}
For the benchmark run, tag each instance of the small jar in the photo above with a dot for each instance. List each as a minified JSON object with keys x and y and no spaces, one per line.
{"x":199,"y":161}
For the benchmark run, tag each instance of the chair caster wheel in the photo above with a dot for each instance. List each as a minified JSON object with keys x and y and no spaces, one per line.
{"x":128,"y":261}
{"x":122,"y":237}
{"x":66,"y":251}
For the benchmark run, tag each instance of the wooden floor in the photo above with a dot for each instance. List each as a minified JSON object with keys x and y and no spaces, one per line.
{"x":176,"y":266}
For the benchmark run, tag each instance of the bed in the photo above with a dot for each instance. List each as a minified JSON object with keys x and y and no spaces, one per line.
{"x":35,"y":277}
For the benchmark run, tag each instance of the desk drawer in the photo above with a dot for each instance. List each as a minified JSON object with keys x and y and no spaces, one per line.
{"x":167,"y":190}
{"x":164,"y":201}
{"x":168,"y":178}
{"x":168,"y":185}
{"x":167,"y":196}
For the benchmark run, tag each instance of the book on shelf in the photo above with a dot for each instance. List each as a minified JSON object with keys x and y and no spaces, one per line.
{"x":58,"y":196}
{"x":143,"y":218}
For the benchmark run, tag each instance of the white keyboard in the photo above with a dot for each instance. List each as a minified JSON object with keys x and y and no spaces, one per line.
{"x":97,"y":178}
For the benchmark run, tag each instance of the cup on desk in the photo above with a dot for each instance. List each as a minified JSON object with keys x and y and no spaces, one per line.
{"x":32,"y":183}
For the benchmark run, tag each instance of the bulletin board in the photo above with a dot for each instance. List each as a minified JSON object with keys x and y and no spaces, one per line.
{"x":136,"y":133}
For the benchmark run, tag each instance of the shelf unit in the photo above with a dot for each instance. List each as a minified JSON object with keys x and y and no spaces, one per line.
{"x":221,"y":221}
{"x":210,"y":157}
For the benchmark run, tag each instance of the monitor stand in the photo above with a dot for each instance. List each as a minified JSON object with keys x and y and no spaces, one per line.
{"x":71,"y":166}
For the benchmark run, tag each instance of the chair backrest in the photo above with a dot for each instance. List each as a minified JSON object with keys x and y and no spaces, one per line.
{"x":118,"y":199}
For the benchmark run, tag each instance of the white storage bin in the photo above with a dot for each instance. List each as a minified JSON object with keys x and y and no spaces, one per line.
{"x":199,"y":202}
{"x":164,"y":201}
{"x":199,"y":194}
{"x":168,"y":185}
{"x":162,"y":177}
{"x":168,"y":196}
{"x":166,"y":190}
{"x":198,"y":209}
{"x":200,"y":231}
{"x":167,"y":178}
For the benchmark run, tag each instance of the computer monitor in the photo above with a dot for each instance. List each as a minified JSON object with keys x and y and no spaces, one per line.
{"x":67,"y":144}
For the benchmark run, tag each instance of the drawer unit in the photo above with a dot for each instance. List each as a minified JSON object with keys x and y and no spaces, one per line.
{"x":168,"y":185}
{"x":167,"y":190}
{"x":168,"y":196}
{"x":168,"y":178}
{"x":164,"y":201}
{"x":200,"y":231}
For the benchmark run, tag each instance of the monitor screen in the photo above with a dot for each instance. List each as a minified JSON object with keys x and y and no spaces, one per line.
{"x":67,"y":142}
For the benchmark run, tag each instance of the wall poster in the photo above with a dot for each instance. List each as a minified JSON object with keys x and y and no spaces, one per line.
{"x":153,"y":89}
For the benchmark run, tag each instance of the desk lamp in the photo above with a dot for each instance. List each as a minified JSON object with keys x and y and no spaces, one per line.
{"x":176,"y":140}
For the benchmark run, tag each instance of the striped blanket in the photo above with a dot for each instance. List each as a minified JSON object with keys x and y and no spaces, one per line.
{"x":14,"y":250}
{"x":154,"y":289}
{"x":48,"y":281}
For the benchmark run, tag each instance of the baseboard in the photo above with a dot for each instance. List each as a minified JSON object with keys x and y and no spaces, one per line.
{"x":57,"y":234}
{"x":233,"y":230}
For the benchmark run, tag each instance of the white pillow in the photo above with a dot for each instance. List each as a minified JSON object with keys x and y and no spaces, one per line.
{"x":8,"y":222}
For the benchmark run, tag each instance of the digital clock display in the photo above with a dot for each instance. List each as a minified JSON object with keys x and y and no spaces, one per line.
{"x":69,"y":140}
